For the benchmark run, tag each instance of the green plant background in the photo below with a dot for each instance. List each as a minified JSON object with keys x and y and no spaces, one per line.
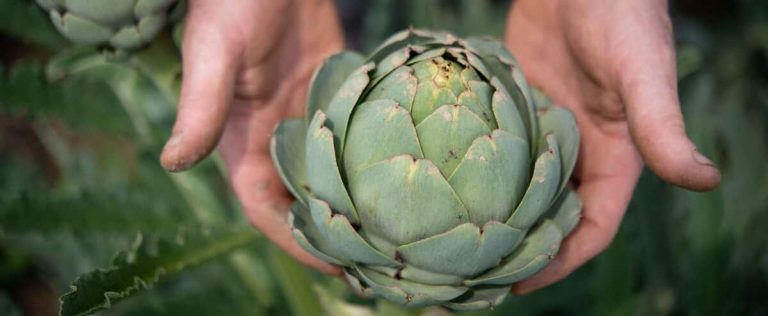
{"x":85,"y":205}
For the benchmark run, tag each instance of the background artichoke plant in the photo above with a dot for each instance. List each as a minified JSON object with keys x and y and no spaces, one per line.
{"x":80,"y":180}
{"x":427,"y":171}
{"x":121,"y":25}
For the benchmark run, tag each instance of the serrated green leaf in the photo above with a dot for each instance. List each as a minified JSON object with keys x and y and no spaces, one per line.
{"x":147,"y":263}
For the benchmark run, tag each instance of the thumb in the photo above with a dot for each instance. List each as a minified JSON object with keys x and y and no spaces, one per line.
{"x":210,"y":61}
{"x":649,"y":91}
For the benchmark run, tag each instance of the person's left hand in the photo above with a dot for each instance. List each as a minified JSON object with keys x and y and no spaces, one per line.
{"x":613,"y":64}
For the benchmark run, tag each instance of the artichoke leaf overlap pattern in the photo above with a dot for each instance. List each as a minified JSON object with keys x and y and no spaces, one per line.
{"x":427,"y":171}
{"x":121,"y":25}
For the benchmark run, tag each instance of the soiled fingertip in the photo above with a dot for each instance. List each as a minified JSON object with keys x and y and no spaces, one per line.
{"x":175,"y":156}
{"x":173,"y":163}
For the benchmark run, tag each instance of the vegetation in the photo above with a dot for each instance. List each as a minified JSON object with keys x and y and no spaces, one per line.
{"x":88,"y":215}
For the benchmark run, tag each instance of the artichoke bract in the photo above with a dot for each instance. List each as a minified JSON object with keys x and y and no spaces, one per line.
{"x":428,"y":173}
{"x":123,"y":25}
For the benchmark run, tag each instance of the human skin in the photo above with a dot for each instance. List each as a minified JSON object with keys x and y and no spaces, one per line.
{"x":613,"y":64}
{"x":247,"y":66}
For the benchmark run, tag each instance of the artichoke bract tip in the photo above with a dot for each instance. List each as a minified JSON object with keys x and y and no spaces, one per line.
{"x":426,"y":171}
{"x":119,"y":25}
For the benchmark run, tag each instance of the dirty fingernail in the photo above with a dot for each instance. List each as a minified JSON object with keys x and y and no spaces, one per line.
{"x":175,"y":140}
{"x":170,"y":158}
{"x":702,"y":159}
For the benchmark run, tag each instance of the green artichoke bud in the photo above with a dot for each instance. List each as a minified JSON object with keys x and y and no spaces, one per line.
{"x":121,"y":25}
{"x":427,"y":172}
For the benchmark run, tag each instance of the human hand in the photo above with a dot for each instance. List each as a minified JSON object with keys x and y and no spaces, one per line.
{"x":613,"y":64}
{"x":247,"y":65}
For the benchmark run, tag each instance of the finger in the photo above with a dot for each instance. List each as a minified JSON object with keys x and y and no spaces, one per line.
{"x":266,"y":205}
{"x":210,"y":64}
{"x":649,"y":90}
{"x":609,"y":175}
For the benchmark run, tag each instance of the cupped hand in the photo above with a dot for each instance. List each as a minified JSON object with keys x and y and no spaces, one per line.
{"x":246,"y":66}
{"x":613,"y":64}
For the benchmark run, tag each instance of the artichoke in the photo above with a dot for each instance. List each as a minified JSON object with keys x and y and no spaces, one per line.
{"x":426,"y":171}
{"x":121,"y":25}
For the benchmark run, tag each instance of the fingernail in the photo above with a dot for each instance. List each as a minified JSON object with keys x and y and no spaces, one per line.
{"x":175,"y":140}
{"x":170,"y":158}
{"x":702,"y":159}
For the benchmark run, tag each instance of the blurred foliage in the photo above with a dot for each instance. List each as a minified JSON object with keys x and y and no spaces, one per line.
{"x":82,"y":193}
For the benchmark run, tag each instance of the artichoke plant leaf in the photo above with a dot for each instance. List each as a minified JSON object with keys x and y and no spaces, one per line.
{"x":479,"y":65}
{"x":492,"y":176}
{"x":540,"y":99}
{"x":391,"y":44}
{"x":393,"y":198}
{"x":506,"y":113}
{"x":465,"y":250}
{"x":342,"y":238}
{"x":101,"y":12}
{"x":447,"y":133}
{"x":501,"y":78}
{"x":343,"y":103}
{"x":536,"y":251}
{"x":288,"y":150}
{"x":428,"y":99}
{"x":149,"y":26}
{"x":308,"y":237}
{"x":487,"y":47}
{"x":427,"y":55}
{"x":542,"y":188}
{"x":393,"y":61}
{"x":387,"y":123}
{"x":130,"y":38}
{"x":459,"y":54}
{"x":439,"y":83}
{"x":399,"y":86}
{"x":328,"y":78}
{"x":478,"y":298}
{"x":80,"y":30}
{"x":478,"y":99}
{"x":501,"y":62}
{"x":121,"y":25}
{"x":405,"y":292}
{"x":411,"y":37}
{"x":566,"y":211}
{"x":516,"y":121}
{"x":415,"y":274}
{"x":561,"y":122}
{"x":323,"y":174}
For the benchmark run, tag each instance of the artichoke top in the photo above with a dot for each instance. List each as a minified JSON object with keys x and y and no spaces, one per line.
{"x":427,"y":172}
{"x":125,"y":24}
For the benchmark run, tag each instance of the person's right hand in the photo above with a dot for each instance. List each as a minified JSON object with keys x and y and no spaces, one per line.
{"x":247,"y":65}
